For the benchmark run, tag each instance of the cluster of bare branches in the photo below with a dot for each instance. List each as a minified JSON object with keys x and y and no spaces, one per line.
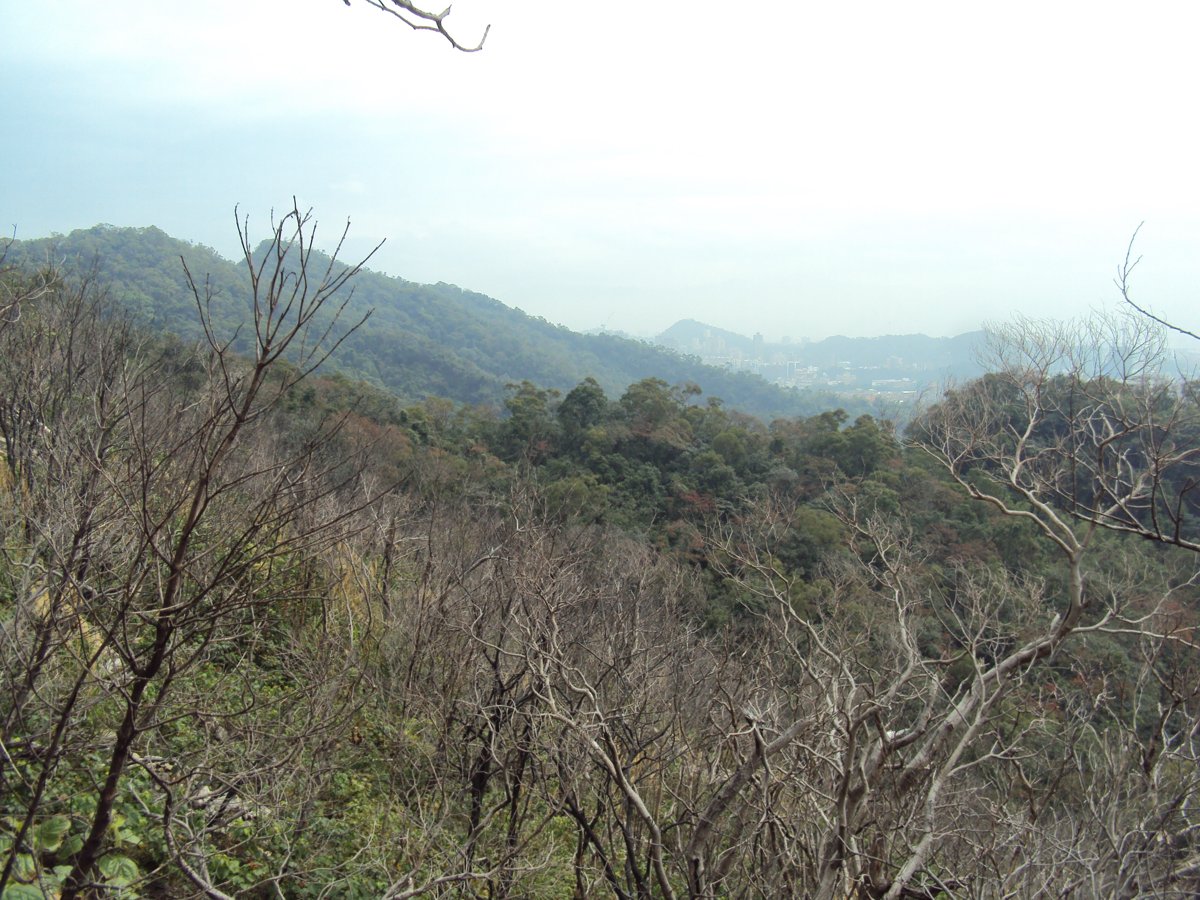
{"x":892,"y":734}
{"x":18,"y":288}
{"x":1081,"y":433}
{"x":1080,"y":423}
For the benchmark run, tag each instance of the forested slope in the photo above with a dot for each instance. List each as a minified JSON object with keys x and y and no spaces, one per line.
{"x":420,"y":339}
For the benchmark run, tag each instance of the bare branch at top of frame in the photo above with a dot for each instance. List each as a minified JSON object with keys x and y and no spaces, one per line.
{"x":425,"y":20}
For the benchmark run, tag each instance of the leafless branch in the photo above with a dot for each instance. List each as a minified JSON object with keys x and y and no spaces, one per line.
{"x":1124,"y":271}
{"x":425,"y":20}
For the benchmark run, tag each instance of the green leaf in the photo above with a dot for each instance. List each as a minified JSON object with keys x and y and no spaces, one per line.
{"x":23,"y":892}
{"x":118,"y":870}
{"x":24,"y":868}
{"x":72,"y":846}
{"x":49,"y":835}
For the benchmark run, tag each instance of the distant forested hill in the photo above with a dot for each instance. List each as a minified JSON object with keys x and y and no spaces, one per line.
{"x":420,"y":339}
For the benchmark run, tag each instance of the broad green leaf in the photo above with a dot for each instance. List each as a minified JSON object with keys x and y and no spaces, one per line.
{"x":49,"y":835}
{"x":24,"y":892}
{"x":118,"y":870}
{"x":24,"y":868}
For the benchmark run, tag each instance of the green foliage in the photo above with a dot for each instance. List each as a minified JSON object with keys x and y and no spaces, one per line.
{"x":42,"y":863}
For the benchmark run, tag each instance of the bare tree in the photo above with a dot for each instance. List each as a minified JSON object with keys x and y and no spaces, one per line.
{"x":1079,"y":421}
{"x":867,"y":750}
{"x":1080,"y":432}
{"x":158,"y":522}
{"x":18,"y":288}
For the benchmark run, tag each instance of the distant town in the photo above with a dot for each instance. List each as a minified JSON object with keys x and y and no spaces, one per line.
{"x":894,"y":367}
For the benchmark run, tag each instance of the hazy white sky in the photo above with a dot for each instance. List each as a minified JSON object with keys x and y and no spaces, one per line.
{"x":794,"y":168}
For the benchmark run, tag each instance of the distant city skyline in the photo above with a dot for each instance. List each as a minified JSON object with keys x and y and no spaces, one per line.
{"x":856,"y":169}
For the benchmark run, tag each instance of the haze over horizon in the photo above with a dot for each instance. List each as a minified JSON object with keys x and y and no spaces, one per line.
{"x":862,"y":169}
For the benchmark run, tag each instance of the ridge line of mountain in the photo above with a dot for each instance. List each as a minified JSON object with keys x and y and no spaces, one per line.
{"x":422,"y":339}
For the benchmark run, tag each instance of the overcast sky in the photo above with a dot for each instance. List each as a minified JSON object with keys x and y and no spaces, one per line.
{"x":794,"y":168}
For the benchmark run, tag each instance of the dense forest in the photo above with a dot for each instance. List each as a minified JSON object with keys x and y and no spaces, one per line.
{"x":271,"y":630}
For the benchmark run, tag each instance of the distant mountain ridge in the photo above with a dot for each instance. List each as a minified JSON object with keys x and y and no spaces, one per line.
{"x":918,"y":359}
{"x":690,"y":336}
{"x":420,"y":340}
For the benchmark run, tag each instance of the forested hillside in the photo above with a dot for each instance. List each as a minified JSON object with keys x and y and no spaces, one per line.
{"x":420,"y":339}
{"x":266,"y":631}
